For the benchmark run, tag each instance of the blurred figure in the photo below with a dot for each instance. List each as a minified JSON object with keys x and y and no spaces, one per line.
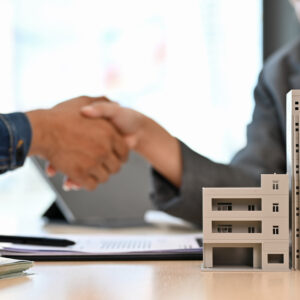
{"x":179,"y":173}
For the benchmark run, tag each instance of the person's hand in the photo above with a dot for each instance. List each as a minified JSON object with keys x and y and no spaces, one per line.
{"x":143,"y":135}
{"x":127,"y":121}
{"x":86,"y":150}
{"x":130,"y":123}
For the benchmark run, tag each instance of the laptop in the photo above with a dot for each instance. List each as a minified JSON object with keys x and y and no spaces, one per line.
{"x":120,"y":202}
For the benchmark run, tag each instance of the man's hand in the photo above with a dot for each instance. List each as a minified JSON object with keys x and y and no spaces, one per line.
{"x":143,"y":135}
{"x":130,"y":123}
{"x":86,"y":150}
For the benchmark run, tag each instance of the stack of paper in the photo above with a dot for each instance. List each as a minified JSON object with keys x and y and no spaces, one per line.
{"x":115,"y":247}
{"x":12,"y":267}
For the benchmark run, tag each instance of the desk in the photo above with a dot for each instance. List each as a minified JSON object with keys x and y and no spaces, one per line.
{"x":138,"y":280}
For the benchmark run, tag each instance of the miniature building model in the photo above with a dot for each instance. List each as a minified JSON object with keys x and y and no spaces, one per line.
{"x":293,"y":162}
{"x":247,"y":228}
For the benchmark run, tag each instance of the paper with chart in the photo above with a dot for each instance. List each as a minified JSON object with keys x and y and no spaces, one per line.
{"x":110,"y":245}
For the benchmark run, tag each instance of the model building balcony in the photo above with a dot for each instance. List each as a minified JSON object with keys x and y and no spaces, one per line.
{"x":242,"y":204}
{"x":233,"y":227}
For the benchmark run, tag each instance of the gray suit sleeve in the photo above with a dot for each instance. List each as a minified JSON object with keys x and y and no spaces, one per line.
{"x":264,"y":153}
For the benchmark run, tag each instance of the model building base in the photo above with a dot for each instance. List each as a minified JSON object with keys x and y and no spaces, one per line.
{"x":231,"y":269}
{"x":237,"y":269}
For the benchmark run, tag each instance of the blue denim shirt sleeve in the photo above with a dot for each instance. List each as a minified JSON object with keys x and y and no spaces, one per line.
{"x":15,"y":140}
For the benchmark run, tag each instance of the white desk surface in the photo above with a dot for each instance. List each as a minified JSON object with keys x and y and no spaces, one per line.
{"x":138,"y":280}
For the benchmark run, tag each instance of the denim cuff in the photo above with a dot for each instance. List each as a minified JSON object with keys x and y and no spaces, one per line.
{"x":15,"y":140}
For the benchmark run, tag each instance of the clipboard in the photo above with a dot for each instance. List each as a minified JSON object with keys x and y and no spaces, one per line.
{"x":119,"y":257}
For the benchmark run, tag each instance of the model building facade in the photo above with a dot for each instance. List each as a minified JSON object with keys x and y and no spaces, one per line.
{"x":293,"y":162}
{"x":247,"y":228}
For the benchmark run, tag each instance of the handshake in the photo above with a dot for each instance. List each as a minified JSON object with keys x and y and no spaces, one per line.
{"x":87,"y":139}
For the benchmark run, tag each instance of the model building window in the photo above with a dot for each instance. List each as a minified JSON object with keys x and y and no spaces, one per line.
{"x":275,"y":207}
{"x":224,"y":206}
{"x":275,"y":258}
{"x":251,"y":207}
{"x":224,"y":228}
{"x":275,"y":185}
{"x":275,"y":229}
{"x":251,"y":229}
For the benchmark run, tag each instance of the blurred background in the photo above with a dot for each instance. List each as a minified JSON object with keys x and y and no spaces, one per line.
{"x":191,"y":65}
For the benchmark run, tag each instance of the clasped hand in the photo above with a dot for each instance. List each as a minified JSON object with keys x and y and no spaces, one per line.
{"x":86,"y":150}
{"x":98,"y":136}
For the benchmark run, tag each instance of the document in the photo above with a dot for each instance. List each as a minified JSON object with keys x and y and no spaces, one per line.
{"x":111,"y":247}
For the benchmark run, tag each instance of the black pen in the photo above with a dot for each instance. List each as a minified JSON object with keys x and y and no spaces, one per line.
{"x":30,"y":240}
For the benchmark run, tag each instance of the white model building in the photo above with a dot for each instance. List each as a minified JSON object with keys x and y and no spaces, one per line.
{"x":293,"y":162}
{"x":247,"y":228}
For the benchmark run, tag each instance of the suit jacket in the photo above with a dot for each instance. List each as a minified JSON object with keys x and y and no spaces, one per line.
{"x":264,"y":153}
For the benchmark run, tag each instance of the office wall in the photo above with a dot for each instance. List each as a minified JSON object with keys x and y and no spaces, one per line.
{"x":280,"y":25}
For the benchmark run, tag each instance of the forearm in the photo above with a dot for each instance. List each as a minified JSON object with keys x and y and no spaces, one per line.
{"x":40,"y":124}
{"x":161,"y":150}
